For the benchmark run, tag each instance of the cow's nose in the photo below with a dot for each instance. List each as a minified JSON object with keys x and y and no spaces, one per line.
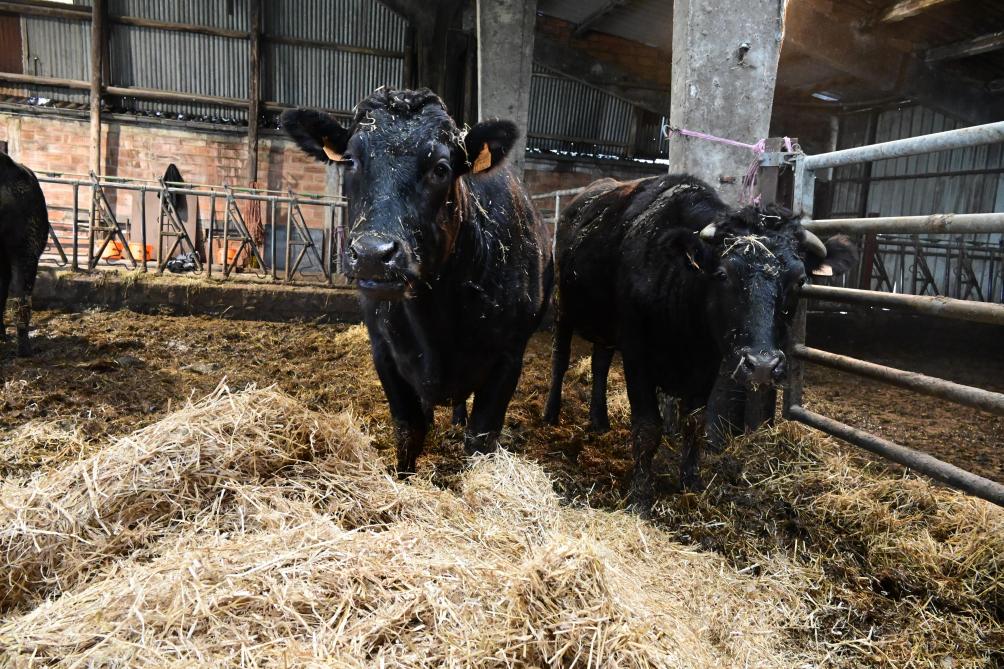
{"x":763,"y":367}
{"x":374,"y":254}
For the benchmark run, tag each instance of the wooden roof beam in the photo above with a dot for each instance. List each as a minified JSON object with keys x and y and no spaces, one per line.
{"x":587,"y":23}
{"x":966,"y":48}
{"x":905,"y":9}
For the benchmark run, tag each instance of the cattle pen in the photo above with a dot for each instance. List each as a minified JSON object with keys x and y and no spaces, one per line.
{"x":281,"y":391}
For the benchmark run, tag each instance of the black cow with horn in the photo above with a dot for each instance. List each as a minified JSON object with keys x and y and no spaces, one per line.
{"x":452,"y":262}
{"x":698,"y":298}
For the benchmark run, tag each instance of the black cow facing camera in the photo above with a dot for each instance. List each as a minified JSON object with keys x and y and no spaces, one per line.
{"x":24,"y":231}
{"x":698,"y":297}
{"x":452,"y":262}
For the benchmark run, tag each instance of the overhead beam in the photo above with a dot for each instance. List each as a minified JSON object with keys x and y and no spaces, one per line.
{"x":966,"y":48}
{"x":880,"y":65}
{"x":905,"y":9}
{"x":587,"y":23}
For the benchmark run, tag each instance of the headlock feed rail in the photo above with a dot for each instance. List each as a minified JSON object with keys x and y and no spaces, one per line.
{"x":943,"y":307}
{"x":226,"y":241}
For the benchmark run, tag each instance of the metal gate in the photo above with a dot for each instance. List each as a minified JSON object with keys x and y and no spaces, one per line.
{"x":805,"y":167}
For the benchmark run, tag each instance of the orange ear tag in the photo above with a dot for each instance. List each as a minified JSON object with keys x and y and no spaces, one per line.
{"x":329,"y":150}
{"x":483,"y":161}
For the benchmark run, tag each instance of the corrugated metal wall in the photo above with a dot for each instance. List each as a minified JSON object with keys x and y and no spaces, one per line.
{"x":308,"y":74}
{"x":960,"y":181}
{"x":600,"y":125}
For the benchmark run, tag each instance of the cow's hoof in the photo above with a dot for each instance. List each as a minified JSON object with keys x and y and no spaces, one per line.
{"x":480,"y":443}
{"x":640,"y":500}
{"x":23,"y":350}
{"x":599,"y":426}
{"x":550,"y":418}
{"x":692,"y":482}
{"x":459,"y":418}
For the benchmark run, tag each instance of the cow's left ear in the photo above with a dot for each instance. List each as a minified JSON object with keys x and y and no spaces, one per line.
{"x":841,"y":253}
{"x":487,"y":145}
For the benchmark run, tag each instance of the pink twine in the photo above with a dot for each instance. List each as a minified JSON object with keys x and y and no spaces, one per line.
{"x":749,"y":179}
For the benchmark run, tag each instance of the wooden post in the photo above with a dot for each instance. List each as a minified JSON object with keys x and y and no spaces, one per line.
{"x":97,"y":62}
{"x":254,"y":90}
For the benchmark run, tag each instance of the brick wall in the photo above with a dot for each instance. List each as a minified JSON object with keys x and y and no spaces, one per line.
{"x":640,"y":60}
{"x":137,"y":150}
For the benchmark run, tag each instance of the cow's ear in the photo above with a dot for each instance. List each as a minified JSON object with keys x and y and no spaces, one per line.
{"x":841,"y":253}
{"x":696,"y":254}
{"x":487,"y":145}
{"x":317,"y":133}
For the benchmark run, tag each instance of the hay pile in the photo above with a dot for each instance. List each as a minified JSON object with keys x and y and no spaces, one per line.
{"x":248,"y":530}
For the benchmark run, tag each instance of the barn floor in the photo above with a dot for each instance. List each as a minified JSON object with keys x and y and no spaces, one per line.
{"x":99,"y":374}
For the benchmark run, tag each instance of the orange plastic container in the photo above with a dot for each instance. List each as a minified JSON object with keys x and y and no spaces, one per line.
{"x":136,"y":248}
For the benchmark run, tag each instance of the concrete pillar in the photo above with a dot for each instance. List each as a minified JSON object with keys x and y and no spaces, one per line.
{"x":505,"y":60}
{"x":725,"y":58}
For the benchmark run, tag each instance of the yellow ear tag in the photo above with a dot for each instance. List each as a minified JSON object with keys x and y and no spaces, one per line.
{"x":823,"y":270}
{"x":329,"y":150}
{"x":483,"y":161}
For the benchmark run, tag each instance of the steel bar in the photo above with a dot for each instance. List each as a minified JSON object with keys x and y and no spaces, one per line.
{"x":212,"y":233}
{"x":142,"y":226}
{"x":934,"y":223}
{"x":105,"y":182}
{"x":271,"y":217}
{"x":75,"y":227}
{"x":169,"y":26}
{"x":174,"y":96}
{"x":939,"y":470}
{"x":97,"y":58}
{"x":289,"y":241}
{"x":557,"y":193}
{"x":976,"y":398}
{"x":976,"y":135}
{"x":946,"y":307}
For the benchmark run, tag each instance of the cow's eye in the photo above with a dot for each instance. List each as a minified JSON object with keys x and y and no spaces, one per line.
{"x":441,"y":171}
{"x":348,"y":162}
{"x":720,"y":274}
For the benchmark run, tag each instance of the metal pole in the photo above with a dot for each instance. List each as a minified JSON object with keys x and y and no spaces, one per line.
{"x":289,"y":238}
{"x":75,"y":226}
{"x":212,"y":230}
{"x":802,"y":204}
{"x":945,"y":307}
{"x":142,"y":226}
{"x":967,"y":482}
{"x":933,"y":223}
{"x":90,"y":228}
{"x":976,"y":135}
{"x":271,"y":216}
{"x":919,"y":383}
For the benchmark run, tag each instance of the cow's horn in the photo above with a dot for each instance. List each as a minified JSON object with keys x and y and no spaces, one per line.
{"x":708,"y":233}
{"x":814,"y":243}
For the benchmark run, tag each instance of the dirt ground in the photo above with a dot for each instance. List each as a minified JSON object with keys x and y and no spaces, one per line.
{"x":101,"y":374}
{"x":107,"y":373}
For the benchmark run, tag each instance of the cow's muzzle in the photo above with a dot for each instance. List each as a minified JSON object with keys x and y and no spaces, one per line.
{"x":760,"y":368}
{"x":379,"y":263}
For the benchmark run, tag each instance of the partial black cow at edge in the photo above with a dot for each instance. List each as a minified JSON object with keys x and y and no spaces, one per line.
{"x":24,"y":230}
{"x":452,"y":262}
{"x":698,"y":297}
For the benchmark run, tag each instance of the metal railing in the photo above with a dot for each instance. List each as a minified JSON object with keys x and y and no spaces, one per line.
{"x":980,"y":312}
{"x":95,"y":225}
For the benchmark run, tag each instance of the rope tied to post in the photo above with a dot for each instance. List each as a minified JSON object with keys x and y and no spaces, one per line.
{"x":749,"y":182}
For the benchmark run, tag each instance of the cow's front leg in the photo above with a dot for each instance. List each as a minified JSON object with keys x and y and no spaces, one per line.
{"x":490,"y":404}
{"x":690,"y":457}
{"x":646,"y":432}
{"x":723,"y":417}
{"x":411,"y":420}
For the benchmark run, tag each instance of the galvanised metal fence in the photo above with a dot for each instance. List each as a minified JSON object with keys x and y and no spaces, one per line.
{"x":221,"y":243}
{"x":805,"y":167}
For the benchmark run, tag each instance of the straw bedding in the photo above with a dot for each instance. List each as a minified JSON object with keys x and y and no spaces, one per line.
{"x":248,"y":530}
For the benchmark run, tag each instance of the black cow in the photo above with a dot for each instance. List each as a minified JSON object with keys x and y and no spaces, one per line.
{"x":698,"y":298}
{"x":24,"y":231}
{"x":452,"y":262}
